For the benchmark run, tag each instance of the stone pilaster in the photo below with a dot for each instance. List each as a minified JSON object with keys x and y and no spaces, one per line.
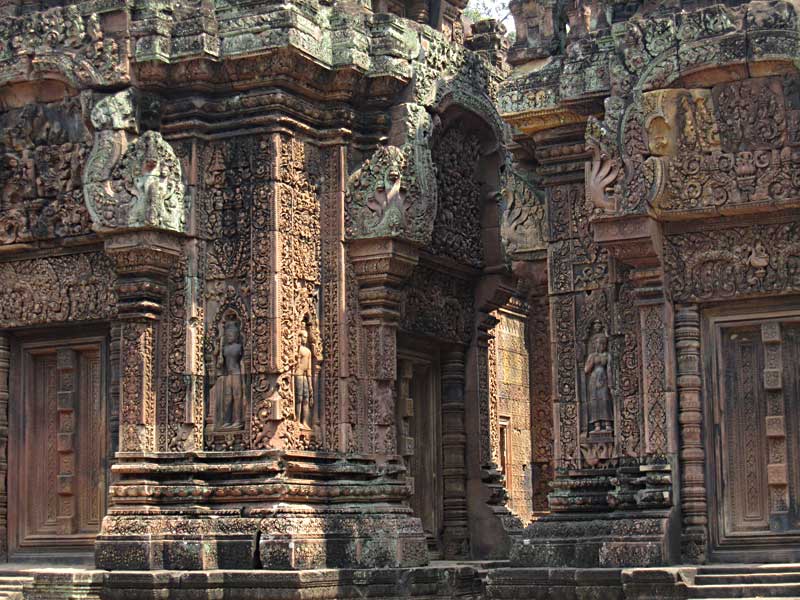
{"x":692,"y":453}
{"x":143,"y":261}
{"x":5,"y":351}
{"x":454,"y":444}
{"x":381,"y":266}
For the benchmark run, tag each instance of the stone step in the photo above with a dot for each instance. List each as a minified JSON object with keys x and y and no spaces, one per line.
{"x":777,"y":590}
{"x":734,"y":569}
{"x":747,"y":578}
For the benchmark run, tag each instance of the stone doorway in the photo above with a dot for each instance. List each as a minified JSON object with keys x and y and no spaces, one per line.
{"x":58,"y":447}
{"x":419,"y":374}
{"x":755,"y":425}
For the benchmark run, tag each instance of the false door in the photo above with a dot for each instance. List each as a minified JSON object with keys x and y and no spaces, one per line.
{"x":57,"y":447}
{"x":421,"y":440}
{"x":756,"y":422}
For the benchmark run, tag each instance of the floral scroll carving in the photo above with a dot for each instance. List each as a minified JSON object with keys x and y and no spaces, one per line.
{"x":130,"y":180}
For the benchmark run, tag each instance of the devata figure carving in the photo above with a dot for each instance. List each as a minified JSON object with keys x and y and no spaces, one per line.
{"x":600,"y":403}
{"x":227,"y":395}
{"x":303,"y":383}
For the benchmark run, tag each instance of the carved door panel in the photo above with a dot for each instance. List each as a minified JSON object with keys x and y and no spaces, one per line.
{"x":57,"y":447}
{"x":756,"y":422}
{"x":423,"y":448}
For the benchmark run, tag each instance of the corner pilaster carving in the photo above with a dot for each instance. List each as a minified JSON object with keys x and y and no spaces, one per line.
{"x":143,"y":261}
{"x":381,"y":267}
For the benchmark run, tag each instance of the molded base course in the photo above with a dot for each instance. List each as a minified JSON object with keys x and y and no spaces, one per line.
{"x":441,"y":581}
{"x":292,"y":537}
{"x":593,"y":541}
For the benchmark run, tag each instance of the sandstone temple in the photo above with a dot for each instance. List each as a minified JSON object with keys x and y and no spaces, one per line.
{"x":343,"y":299}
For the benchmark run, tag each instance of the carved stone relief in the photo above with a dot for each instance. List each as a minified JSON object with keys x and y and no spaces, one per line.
{"x":42,"y":152}
{"x":393,"y":193}
{"x":265,"y":244}
{"x":227,"y":400}
{"x":131,"y":181}
{"x":457,"y":230}
{"x":437,"y":304}
{"x":523,"y":226}
{"x":68,"y":41}
{"x":72,"y":287}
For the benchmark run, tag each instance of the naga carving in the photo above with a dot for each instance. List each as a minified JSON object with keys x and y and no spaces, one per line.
{"x":524,"y":220}
{"x":131,"y":181}
{"x":389,"y":197}
{"x":601,"y":174}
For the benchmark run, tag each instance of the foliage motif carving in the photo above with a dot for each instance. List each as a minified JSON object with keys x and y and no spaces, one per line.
{"x":541,"y":405}
{"x":564,"y":328}
{"x":629,"y":431}
{"x":654,"y":350}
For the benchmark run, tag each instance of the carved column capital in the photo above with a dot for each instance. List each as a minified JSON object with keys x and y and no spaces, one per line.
{"x":635,"y":240}
{"x":382,"y":261}
{"x":143,"y":260}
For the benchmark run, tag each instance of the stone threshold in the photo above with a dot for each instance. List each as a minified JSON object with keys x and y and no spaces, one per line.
{"x":464,"y":580}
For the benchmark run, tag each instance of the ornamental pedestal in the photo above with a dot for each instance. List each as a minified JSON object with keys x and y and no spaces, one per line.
{"x":258,"y":509}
